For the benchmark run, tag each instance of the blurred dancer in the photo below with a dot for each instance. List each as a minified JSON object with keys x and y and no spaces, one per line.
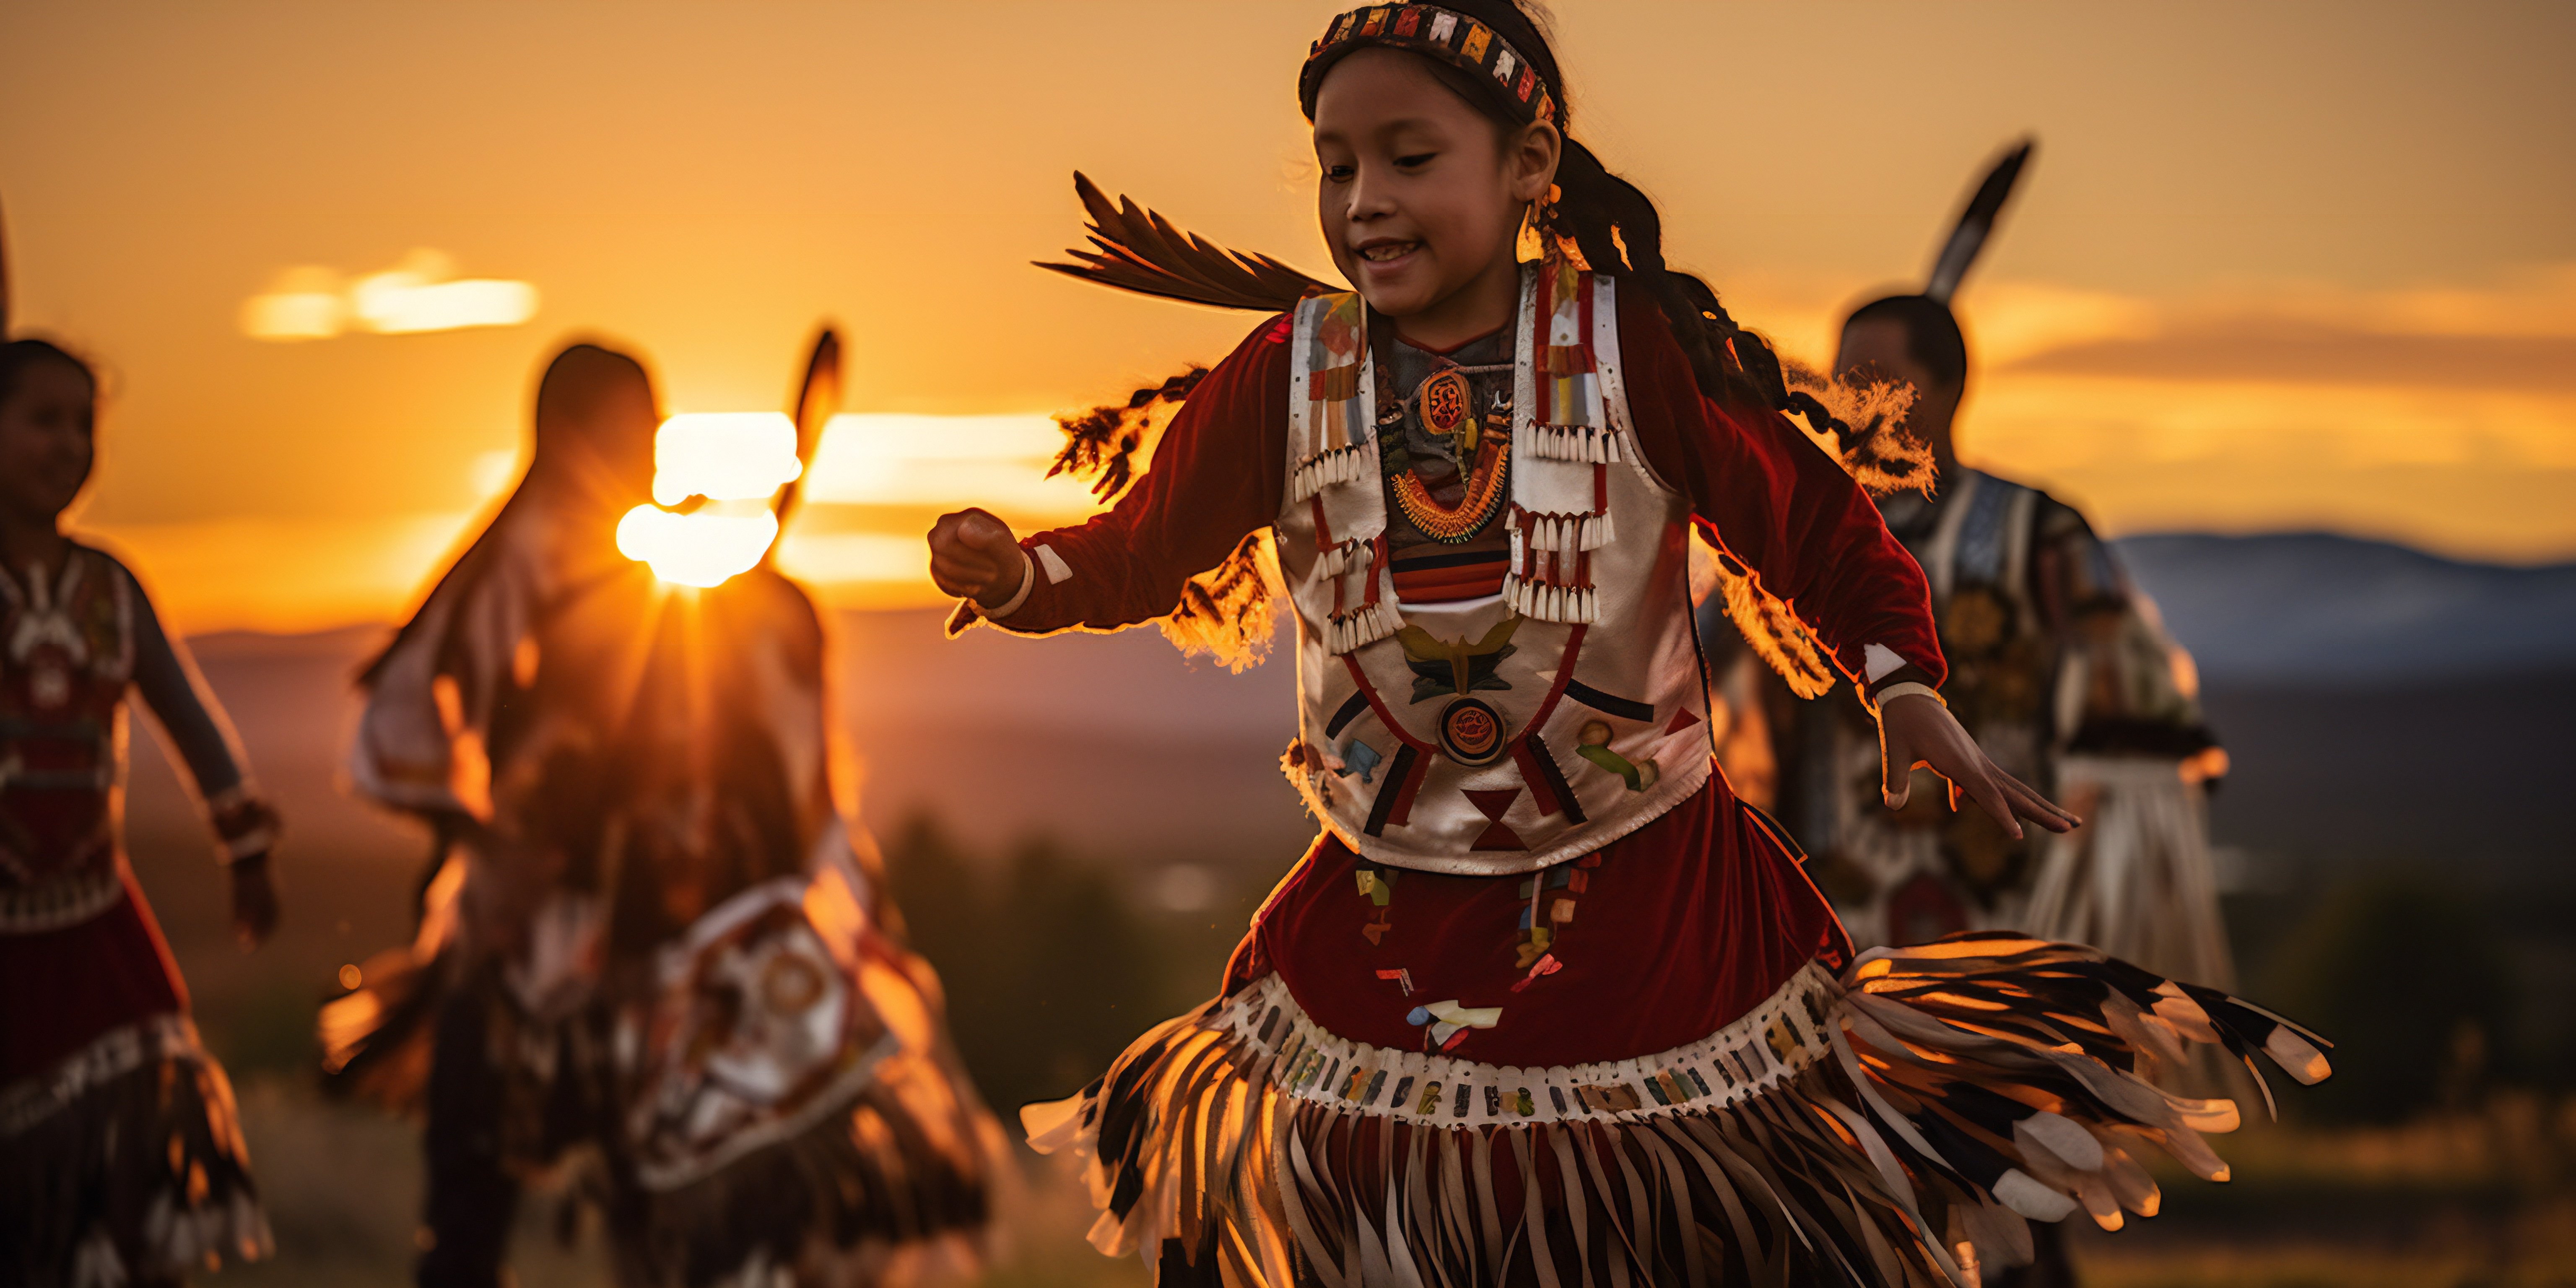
{"x":2059,"y":668}
{"x":121,"y":1158}
{"x":651,"y":931}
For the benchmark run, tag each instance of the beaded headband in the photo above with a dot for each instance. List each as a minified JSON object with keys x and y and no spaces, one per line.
{"x":1442,"y":34}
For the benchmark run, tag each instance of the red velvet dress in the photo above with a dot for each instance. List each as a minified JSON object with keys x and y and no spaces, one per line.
{"x":1688,"y":1081}
{"x":119,"y":1149}
{"x":1728,"y":912}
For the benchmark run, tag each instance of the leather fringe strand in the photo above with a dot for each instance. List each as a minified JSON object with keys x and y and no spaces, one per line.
{"x":1362,"y":626}
{"x":1548,"y":603}
{"x":1337,"y":465}
{"x":1575,"y":443}
{"x":906,"y":1171}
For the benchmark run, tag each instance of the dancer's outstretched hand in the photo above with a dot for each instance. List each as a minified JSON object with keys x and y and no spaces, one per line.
{"x":1917,"y":730}
{"x":254,"y":901}
{"x":974,"y":556}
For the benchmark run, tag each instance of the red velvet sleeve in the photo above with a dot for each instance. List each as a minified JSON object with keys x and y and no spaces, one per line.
{"x":1218,"y":473}
{"x":1779,"y":504}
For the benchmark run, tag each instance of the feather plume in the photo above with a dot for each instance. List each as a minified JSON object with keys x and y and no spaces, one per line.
{"x":1102,"y":444}
{"x":818,"y":400}
{"x":1227,"y":612}
{"x":1975,"y":224}
{"x":1867,"y":426}
{"x":1773,"y":628}
{"x":1137,"y":250}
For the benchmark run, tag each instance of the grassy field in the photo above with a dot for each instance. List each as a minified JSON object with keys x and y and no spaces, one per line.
{"x":2474,"y":1200}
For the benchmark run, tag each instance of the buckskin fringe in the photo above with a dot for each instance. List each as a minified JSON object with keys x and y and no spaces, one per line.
{"x":1336,"y":559}
{"x":1566,"y":534}
{"x":1575,"y":443}
{"x":1933,"y":1096}
{"x":1336,"y":465}
{"x":137,"y":1170}
{"x":1551,"y":603}
{"x":1362,"y":626}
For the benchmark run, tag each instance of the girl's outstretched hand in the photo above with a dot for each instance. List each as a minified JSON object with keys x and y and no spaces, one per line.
{"x":974,"y":556}
{"x":1917,"y":730}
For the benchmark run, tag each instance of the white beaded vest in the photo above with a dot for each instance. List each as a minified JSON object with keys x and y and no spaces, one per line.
{"x":1513,"y":730}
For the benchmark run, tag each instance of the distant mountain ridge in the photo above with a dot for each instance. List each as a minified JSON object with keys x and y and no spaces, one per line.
{"x":2317,"y":608}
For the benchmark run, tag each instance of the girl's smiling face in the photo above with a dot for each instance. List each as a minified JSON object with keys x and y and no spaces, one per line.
{"x":1421,"y":195}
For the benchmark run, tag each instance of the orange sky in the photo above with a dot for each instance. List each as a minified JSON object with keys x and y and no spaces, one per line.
{"x":2283,"y":265}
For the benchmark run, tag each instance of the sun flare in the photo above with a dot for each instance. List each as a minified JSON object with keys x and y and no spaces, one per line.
{"x":716,"y":476}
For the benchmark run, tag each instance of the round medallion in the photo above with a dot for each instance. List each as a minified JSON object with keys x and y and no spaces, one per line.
{"x":790,"y":984}
{"x":1444,"y":402}
{"x":1471,"y":732}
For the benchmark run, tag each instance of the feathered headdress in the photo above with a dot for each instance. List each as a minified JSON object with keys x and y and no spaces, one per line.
{"x":818,"y":400}
{"x":1975,"y":224}
{"x":1872,"y":444}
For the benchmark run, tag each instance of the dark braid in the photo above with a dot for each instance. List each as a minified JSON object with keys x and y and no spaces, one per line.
{"x":1616,"y":229}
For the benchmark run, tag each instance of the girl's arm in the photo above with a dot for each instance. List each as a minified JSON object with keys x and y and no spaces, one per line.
{"x":1770,"y":497}
{"x":1790,"y":513}
{"x":1218,"y":473}
{"x":245,"y":826}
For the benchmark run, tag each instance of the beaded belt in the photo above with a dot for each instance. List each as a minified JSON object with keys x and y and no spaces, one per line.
{"x":1775,"y":1041}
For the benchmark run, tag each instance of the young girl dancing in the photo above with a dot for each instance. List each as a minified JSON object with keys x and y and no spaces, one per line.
{"x":121,"y":1159}
{"x":1545,"y":1003}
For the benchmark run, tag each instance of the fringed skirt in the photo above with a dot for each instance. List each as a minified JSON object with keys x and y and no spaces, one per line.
{"x":1893,"y":1122}
{"x":786,"y":1103}
{"x":121,"y":1154}
{"x":2137,"y":880}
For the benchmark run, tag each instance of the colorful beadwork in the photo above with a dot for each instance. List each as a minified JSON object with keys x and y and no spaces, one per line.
{"x":1442,"y":34}
{"x":1445,"y":397}
{"x":1569,"y":384}
{"x":1471,"y":732}
{"x":1486,"y":491}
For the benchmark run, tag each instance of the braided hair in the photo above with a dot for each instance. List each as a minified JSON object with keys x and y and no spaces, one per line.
{"x":1612,"y":227}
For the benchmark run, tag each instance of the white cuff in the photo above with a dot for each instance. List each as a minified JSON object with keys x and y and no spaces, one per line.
{"x":1028,"y":582}
{"x":1878,"y":701}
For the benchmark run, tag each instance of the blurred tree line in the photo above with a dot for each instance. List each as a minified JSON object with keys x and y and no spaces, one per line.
{"x":1052,"y":962}
{"x":2433,"y":994}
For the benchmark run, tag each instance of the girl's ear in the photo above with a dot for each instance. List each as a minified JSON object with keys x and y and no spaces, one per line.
{"x":1532,"y":160}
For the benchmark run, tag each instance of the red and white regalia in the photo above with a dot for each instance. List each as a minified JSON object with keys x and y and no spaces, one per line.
{"x":1545,"y":1002}
{"x":121,"y":1156}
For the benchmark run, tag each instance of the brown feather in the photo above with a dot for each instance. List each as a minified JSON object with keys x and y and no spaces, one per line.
{"x":1139,"y":250}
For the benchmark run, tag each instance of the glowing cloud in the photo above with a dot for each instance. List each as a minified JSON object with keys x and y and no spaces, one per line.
{"x":995,"y":461}
{"x":420,"y":294}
